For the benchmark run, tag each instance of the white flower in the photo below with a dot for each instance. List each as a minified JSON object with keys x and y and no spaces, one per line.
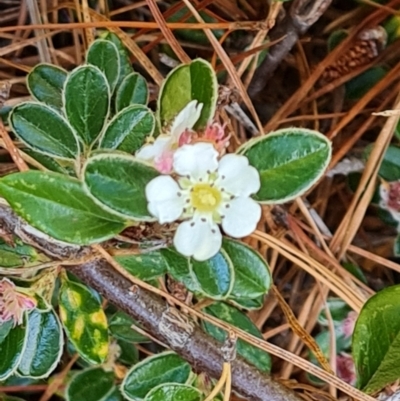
{"x":160,"y":152}
{"x":206,"y":194}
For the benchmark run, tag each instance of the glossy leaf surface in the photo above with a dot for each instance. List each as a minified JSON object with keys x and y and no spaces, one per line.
{"x":46,"y":82}
{"x":376,"y":340}
{"x":44,"y":130}
{"x":166,"y":367}
{"x":58,"y":206}
{"x":86,"y":102}
{"x":289,"y":161}
{"x":128,"y":129}
{"x":118,"y":181}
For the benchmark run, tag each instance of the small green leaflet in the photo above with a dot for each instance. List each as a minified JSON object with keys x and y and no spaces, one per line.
{"x":290,"y":161}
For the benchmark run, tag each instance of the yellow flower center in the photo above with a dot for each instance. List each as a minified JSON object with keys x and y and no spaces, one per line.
{"x":205,"y":198}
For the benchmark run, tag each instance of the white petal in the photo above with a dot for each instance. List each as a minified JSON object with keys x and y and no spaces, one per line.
{"x":155,"y":149}
{"x":186,"y":118}
{"x":199,"y":239}
{"x":241,"y":217}
{"x":164,"y":202}
{"x":237,"y":177}
{"x":195,"y":160}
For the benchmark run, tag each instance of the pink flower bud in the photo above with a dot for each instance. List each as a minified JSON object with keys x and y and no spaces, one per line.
{"x":13,"y":304}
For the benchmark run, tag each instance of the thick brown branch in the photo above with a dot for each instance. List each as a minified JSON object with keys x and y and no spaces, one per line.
{"x":302,"y":14}
{"x":163,"y":321}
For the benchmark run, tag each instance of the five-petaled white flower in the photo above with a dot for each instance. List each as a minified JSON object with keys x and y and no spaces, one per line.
{"x":207,"y":192}
{"x":161,"y":151}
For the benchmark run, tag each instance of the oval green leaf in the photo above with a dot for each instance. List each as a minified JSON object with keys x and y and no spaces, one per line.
{"x":215,"y":275}
{"x":248,"y":303}
{"x":128,"y":129}
{"x":59,"y":206}
{"x":117,"y":182}
{"x":12,"y":343}
{"x":290,"y":161}
{"x":187,"y":82}
{"x":44,"y":345}
{"x":252,"y":276}
{"x":132,"y":90}
{"x":125,"y":65}
{"x":93,"y":384}
{"x":166,"y":367}
{"x":179,"y":268}
{"x":145,"y":266}
{"x":45,"y":83}
{"x":174,"y":392}
{"x":84,"y":321}
{"x":50,"y":163}
{"x":104,"y":55}
{"x":121,"y":326}
{"x":87,"y":102}
{"x":376,"y":341}
{"x":260,"y":359}
{"x":44,"y":130}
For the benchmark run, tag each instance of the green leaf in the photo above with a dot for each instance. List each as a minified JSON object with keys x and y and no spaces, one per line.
{"x":117,"y":182}
{"x":104,"y":55}
{"x":44,"y":345}
{"x":129,"y":353}
{"x":17,"y":254}
{"x":187,"y":82}
{"x":45,"y":83}
{"x":361,"y":84}
{"x":179,"y":268}
{"x":125,"y":65}
{"x":120,"y":326}
{"x":215,"y":275}
{"x":338,"y":310}
{"x":87,"y":100}
{"x":11,"y":348}
{"x":174,"y":392}
{"x":58,"y":205}
{"x":84,"y":321}
{"x":145,"y":266}
{"x":166,"y":367}
{"x":390,"y":166}
{"x":44,"y":130}
{"x":128,"y":129}
{"x":376,"y":341}
{"x":5,"y":328}
{"x":260,"y":359}
{"x":248,"y":303}
{"x":290,"y":161}
{"x":194,"y":35}
{"x":132,"y":90}
{"x":93,"y":384}
{"x":252,"y":276}
{"x":49,"y":163}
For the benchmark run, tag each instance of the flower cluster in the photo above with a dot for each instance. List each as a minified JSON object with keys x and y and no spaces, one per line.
{"x":199,"y":188}
{"x":13,"y":303}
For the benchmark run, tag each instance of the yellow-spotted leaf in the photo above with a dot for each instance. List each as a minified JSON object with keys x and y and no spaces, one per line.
{"x":84,"y":321}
